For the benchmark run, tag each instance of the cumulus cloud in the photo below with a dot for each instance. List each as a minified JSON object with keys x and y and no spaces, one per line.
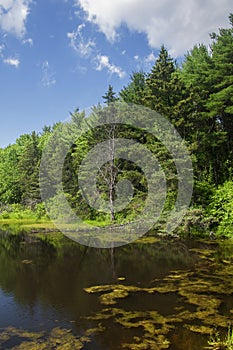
{"x":104,"y":63}
{"x":15,"y":62}
{"x":48,"y":76}
{"x":177,"y":24}
{"x":13,"y":16}
{"x":83,"y":46}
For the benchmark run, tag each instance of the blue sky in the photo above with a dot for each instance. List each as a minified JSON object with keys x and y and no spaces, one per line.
{"x":57,"y":55}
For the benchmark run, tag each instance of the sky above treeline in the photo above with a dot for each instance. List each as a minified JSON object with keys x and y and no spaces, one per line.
{"x":59,"y":55}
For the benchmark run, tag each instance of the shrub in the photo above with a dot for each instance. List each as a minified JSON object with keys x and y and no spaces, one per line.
{"x":221,"y":208}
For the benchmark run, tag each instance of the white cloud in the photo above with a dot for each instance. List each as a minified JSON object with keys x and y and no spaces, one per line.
{"x":150,"y":58}
{"x":48,"y":76}
{"x":12,"y":61}
{"x":79,"y":43}
{"x":145,"y":63}
{"x":104,"y":63}
{"x":86,"y":48}
{"x":13,"y":16}
{"x":28,"y":41}
{"x":176,"y":24}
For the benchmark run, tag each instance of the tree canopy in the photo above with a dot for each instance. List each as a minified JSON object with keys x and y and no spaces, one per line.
{"x":196,"y":97}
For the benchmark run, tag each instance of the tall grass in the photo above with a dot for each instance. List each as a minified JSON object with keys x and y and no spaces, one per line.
{"x":216,"y":343}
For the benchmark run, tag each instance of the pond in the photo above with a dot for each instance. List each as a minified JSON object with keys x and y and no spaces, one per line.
{"x":151,"y":294}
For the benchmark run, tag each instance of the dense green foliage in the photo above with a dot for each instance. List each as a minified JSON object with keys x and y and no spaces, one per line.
{"x":221,"y":208}
{"x":196,"y":97}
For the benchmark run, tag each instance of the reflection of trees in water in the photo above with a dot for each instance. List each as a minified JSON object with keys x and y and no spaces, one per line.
{"x":50,"y":273}
{"x":10,"y":243}
{"x":22,"y":245}
{"x":55,"y":270}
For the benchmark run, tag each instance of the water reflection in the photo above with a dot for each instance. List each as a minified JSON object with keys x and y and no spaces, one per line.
{"x":42,"y":284}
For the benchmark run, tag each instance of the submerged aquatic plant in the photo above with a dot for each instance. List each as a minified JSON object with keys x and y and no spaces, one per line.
{"x":58,"y":338}
{"x":199,"y":295}
{"x":154,"y":327}
{"x":120,"y":291}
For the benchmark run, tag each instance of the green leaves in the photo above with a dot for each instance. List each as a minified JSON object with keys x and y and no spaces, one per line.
{"x":221,"y":208}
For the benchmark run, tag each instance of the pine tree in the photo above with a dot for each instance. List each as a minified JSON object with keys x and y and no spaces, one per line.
{"x":10,"y":191}
{"x":134,"y":91}
{"x":28,"y":168}
{"x":220,"y":101}
{"x":158,"y":83}
{"x":109,"y":97}
{"x":207,"y":135}
{"x":167,"y":94}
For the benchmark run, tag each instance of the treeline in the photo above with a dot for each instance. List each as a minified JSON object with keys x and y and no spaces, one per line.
{"x":196,"y":97}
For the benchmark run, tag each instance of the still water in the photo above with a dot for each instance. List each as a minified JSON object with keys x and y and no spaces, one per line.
{"x":166,"y":294}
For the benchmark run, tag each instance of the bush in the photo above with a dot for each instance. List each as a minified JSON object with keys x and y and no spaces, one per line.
{"x":221,"y":208}
{"x":194,"y":223}
{"x":40,"y":210}
{"x":5,"y":215}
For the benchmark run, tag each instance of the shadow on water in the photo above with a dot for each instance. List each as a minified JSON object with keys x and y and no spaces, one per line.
{"x":153,"y":294}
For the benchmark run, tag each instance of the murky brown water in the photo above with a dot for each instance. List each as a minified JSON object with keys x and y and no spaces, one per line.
{"x":164,"y":295}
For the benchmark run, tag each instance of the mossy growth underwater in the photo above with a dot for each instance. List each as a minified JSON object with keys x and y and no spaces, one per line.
{"x":58,"y":338}
{"x":199,"y":293}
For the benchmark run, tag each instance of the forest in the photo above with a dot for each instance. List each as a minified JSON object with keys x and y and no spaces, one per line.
{"x":196,"y":96}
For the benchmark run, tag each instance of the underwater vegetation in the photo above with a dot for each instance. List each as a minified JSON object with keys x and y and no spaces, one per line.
{"x":58,"y":338}
{"x":199,"y":293}
{"x":187,"y":309}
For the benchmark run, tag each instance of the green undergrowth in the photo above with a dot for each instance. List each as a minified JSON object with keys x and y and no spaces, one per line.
{"x":26,"y":226}
{"x":195,"y":224}
{"x":15,"y":217}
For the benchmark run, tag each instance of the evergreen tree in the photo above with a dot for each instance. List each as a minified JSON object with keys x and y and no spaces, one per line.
{"x":220,"y":101}
{"x":10,"y":190}
{"x":28,"y":168}
{"x":159,"y":89}
{"x":167,"y":94}
{"x":134,"y":91}
{"x":207,"y":136}
{"x":109,"y":97}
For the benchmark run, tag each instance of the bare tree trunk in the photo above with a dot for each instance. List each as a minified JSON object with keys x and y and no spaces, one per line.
{"x":112,"y":213}
{"x":112,"y":171}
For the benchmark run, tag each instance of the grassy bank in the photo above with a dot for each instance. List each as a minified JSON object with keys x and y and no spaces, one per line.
{"x":197,"y":223}
{"x":16,"y":217}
